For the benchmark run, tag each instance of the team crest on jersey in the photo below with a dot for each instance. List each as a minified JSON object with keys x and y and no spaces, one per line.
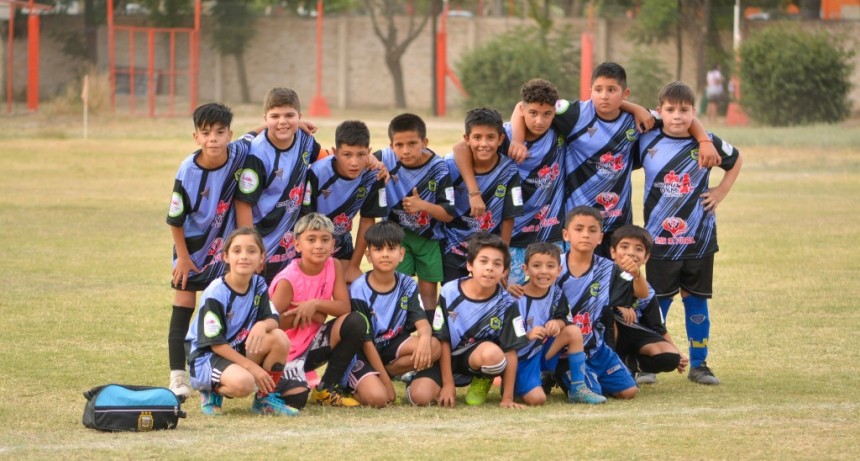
{"x":342,"y":224}
{"x":176,"y":205}
{"x":431,"y":185}
{"x":248,"y":181}
{"x":496,"y":323}
{"x":610,"y":164}
{"x":675,"y":226}
{"x":559,"y":142}
{"x":694,"y":154}
{"x":501,"y":190}
{"x":256,"y":301}
{"x":306,"y":157}
{"x":608,"y":200}
{"x":594,"y":289}
{"x":674,"y":185}
{"x":361,"y":192}
{"x":631,"y":134}
{"x":297,"y":193}
{"x":404,"y":302}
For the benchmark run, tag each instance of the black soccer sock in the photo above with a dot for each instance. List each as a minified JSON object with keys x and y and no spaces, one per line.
{"x":659,"y":363}
{"x":352,"y":332}
{"x":179,"y":322}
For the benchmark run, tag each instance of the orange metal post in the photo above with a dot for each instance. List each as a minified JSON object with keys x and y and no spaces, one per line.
{"x":131,"y":70}
{"x":111,"y":57}
{"x":319,"y":105}
{"x":194,"y":67}
{"x":172,"y":72}
{"x":587,"y":57}
{"x":32,"y":59}
{"x":11,"y":55}
{"x":150,"y":84}
{"x":442,"y":61}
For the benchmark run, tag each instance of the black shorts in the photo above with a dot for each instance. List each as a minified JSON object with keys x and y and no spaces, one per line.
{"x":453,"y":266}
{"x":459,"y":367}
{"x":388,"y":353}
{"x":633,"y":338}
{"x":693,"y":275}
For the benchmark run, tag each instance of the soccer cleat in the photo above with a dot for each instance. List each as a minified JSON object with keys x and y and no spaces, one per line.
{"x":210,"y":403}
{"x":582,"y":394}
{"x":179,"y":384}
{"x":478,"y":390}
{"x":333,"y":398}
{"x":646,"y":378}
{"x":702,"y":375}
{"x":272,"y":405}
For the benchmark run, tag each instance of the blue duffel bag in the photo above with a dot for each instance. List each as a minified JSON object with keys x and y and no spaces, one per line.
{"x":118,"y":407}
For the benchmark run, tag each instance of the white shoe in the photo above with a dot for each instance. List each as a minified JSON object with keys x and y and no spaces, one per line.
{"x":179,"y":383}
{"x":646,"y":378}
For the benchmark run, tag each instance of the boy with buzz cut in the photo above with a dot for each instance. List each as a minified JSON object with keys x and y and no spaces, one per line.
{"x":342,"y":186}
{"x":499,"y":182}
{"x":642,"y":340}
{"x":419,"y":196}
{"x":599,"y":134}
{"x":541,"y":174}
{"x":479,"y":326}
{"x":200,"y":218}
{"x":391,"y":305}
{"x":594,"y":286}
{"x":272,"y":184}
{"x":544,"y":309}
{"x":679,"y":215}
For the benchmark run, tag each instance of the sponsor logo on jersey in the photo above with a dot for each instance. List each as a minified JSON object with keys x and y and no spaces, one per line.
{"x":517,"y":196}
{"x":248,"y":181}
{"x":694,"y":154}
{"x":594,"y":289}
{"x":431,"y":185}
{"x":608,"y":200}
{"x":677,"y":227}
{"x":500,"y":191}
{"x":211,"y":325}
{"x":496,"y":323}
{"x":308,"y":193}
{"x":674,"y":185}
{"x":438,"y":319}
{"x":288,"y":243}
{"x":546,"y":176}
{"x":631,"y":134}
{"x":543,"y":219}
{"x":306,"y":157}
{"x":342,"y":224}
{"x":412,"y":220}
{"x":383,"y":198}
{"x":361,"y":192}
{"x":240,"y":338}
{"x":404,"y":302}
{"x":583,"y":321}
{"x":215,"y":249}
{"x":176,"y":205}
{"x":727,"y":148}
{"x":561,"y":106}
{"x":610,"y":165}
{"x":220,"y":212}
{"x":519,"y":327}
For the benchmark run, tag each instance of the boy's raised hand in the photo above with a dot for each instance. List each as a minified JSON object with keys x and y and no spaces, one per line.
{"x":184,"y":265}
{"x":447,"y":396}
{"x":422,"y":356}
{"x":708,"y":156}
{"x":307,"y":126}
{"x":413,"y":203}
{"x":382,"y":173}
{"x":629,"y":265}
{"x":516,"y":290}
{"x":518,"y":151}
{"x":477,"y":207}
{"x":643,"y":119}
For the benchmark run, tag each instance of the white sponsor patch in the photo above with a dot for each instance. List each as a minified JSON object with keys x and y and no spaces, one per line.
{"x":248,"y":181}
{"x":727,"y":148}
{"x":438,"y":319}
{"x":561,"y":106}
{"x":517,"y":196}
{"x":307,"y":199}
{"x":383,"y":200}
{"x":211,"y":325}
{"x":176,"y":206}
{"x":519,"y":327}
{"x":627,"y":276}
{"x":449,"y":194}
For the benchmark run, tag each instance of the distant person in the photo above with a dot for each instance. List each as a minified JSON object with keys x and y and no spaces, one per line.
{"x":715,"y":92}
{"x":680,"y":215}
{"x":200,"y":217}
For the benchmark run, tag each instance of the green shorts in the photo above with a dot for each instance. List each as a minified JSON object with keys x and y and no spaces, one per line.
{"x":423,"y":257}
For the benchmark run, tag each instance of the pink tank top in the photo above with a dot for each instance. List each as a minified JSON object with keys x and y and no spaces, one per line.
{"x":305,"y":287}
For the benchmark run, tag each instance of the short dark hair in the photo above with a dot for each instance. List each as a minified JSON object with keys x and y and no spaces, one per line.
{"x":583,"y":210}
{"x":632,"y":231}
{"x":352,"y":133}
{"x":407,"y":122}
{"x":543,"y":248}
{"x":610,"y":70}
{"x":538,"y":90}
{"x":384,"y":234}
{"x":281,"y":97}
{"x":484,"y":116}
{"x":676,"y":92}
{"x":484,"y":239}
{"x":209,"y":114}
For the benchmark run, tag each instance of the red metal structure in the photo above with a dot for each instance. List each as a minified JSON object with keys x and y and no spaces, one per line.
{"x":443,"y":70}
{"x":319,"y":104}
{"x":33,"y":30}
{"x":151,"y":73}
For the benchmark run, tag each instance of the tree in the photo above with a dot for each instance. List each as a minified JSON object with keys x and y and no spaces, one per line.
{"x":233,"y":29}
{"x":395,"y":49}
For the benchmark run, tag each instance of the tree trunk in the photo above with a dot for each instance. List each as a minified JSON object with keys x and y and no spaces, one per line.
{"x":396,"y":70}
{"x":91,"y":31}
{"x":242,"y":75}
{"x":701,"y":46}
{"x":679,"y":42}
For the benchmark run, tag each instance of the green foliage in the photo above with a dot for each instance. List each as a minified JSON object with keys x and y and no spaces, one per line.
{"x":645,"y":76}
{"x":234,"y":26}
{"x":792,"y":77}
{"x":493,"y":73}
{"x":656,"y":21}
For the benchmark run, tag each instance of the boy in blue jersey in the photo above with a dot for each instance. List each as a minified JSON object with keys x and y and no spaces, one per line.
{"x":340,"y":187}
{"x":541,"y":175}
{"x":272,"y":184}
{"x":479,"y":326}
{"x":392,"y":306}
{"x":200,"y":217}
{"x":499,"y":180}
{"x":599,"y":134}
{"x":594,"y":286}
{"x":419,"y":196}
{"x":679,"y":215}
{"x":544,"y":309}
{"x":641,"y":338}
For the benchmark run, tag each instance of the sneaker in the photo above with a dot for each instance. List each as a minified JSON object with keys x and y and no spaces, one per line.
{"x":210,"y":403}
{"x":547,"y":381}
{"x":406,"y":377}
{"x":333,"y":398}
{"x":582,"y":394}
{"x":702,"y":375}
{"x":478,"y":390}
{"x":646,"y":378}
{"x":179,"y":384}
{"x":272,"y":405}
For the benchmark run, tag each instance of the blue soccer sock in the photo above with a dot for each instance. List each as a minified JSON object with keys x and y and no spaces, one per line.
{"x":698,"y":328}
{"x":576,"y":362}
{"x":664,"y":306}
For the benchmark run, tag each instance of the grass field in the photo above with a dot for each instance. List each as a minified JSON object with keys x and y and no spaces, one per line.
{"x":84,"y":271}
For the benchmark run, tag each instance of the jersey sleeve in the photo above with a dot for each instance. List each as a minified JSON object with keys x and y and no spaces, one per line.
{"x":180,"y":205}
{"x":440,"y":322}
{"x":513,"y":334}
{"x":374,"y":205}
{"x":211,"y":324}
{"x":252,"y":180}
{"x":621,"y":289}
{"x":309,"y":202}
{"x":727,"y":152}
{"x":360,"y":305}
{"x":445,"y":193}
{"x":566,"y":116}
{"x":514,"y":198}
{"x":651,"y":316}
{"x":560,"y":308}
{"x":265,"y":309}
{"x":316,"y":149}
{"x":414,"y":311}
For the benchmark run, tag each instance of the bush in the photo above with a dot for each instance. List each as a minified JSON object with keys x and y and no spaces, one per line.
{"x":645,"y":77}
{"x":792,"y":77}
{"x":493,"y":73}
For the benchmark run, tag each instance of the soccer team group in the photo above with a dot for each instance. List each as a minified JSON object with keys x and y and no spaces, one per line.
{"x":526,"y":224}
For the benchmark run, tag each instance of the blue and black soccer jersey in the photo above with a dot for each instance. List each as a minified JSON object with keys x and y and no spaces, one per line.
{"x":536,"y":312}
{"x":341,"y":199}
{"x":202,"y":205}
{"x":592,"y":297}
{"x":463,"y":322}
{"x":542,"y":176}
{"x":649,"y":315}
{"x":503,"y":196}
{"x":390,"y":314}
{"x":273,"y":183}
{"x":226,"y":317}
{"x":599,"y":161}
{"x":674,"y":215}
{"x":433,"y":184}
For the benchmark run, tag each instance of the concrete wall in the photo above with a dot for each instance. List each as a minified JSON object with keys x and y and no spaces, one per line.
{"x":282,"y":53}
